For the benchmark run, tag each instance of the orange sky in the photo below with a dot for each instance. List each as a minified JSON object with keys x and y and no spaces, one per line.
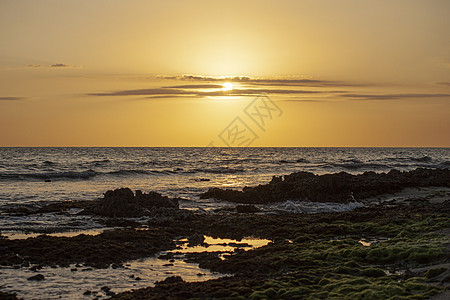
{"x":334,"y":73}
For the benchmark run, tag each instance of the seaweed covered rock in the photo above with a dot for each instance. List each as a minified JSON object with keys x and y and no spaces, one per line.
{"x":339,"y":187}
{"x":8,"y":296}
{"x":124,"y":203}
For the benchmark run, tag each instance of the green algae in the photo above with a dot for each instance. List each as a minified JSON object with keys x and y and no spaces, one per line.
{"x":324,"y":259}
{"x":342,"y":268}
{"x":434,"y":272}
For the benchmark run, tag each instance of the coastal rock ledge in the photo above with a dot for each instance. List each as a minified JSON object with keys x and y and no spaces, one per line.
{"x":339,"y":187}
{"x":124,"y":203}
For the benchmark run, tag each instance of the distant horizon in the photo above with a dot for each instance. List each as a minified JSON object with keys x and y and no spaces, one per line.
{"x":225,"y":147}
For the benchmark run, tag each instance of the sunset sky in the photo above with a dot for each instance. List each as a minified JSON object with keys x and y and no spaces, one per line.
{"x":190,"y":73}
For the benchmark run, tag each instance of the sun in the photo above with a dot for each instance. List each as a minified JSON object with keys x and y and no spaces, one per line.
{"x":227,"y":86}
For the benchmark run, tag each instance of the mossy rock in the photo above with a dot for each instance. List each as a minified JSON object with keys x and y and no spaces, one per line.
{"x":434,"y":272}
{"x":297,"y":292}
{"x":372,"y":272}
{"x":258,"y":295}
{"x":368,"y":294}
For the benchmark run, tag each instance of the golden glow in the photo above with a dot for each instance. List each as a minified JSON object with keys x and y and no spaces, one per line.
{"x":49,"y":87}
{"x":227,"y":86}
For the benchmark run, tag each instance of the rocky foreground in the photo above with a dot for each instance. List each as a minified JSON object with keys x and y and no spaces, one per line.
{"x":387,"y":251}
{"x":339,"y":187}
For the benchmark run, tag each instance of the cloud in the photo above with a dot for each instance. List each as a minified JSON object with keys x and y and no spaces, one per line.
{"x":56,"y":65}
{"x":294,"y":89}
{"x":263,"y":81}
{"x":142,"y":92}
{"x":59,"y":65}
{"x":443,"y":83}
{"x":182,"y":92}
{"x":196,"y":86}
{"x":392,"y":96}
{"x":12,"y":98}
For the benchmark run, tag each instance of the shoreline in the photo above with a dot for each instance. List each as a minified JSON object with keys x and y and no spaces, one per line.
{"x":397,"y":245}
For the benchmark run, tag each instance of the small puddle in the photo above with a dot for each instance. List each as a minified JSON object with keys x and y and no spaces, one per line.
{"x":367,"y":243}
{"x":221,"y":245}
{"x":22,"y":235}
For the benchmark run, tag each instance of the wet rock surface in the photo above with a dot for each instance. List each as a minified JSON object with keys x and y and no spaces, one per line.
{"x":317,"y":255}
{"x":119,"y":203}
{"x":99,"y":251}
{"x":320,"y":256}
{"x":339,"y":187}
{"x":38,"y":277}
{"x":311,"y":255}
{"x":124,"y":203}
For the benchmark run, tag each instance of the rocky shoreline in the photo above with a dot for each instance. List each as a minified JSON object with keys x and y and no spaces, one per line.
{"x":372,"y":252}
{"x":339,"y":187}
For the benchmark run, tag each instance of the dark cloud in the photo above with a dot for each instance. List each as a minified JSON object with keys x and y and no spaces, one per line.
{"x":144,"y":92}
{"x":444,"y":83}
{"x":392,"y":96}
{"x":304,"y":100}
{"x":263,"y":81}
{"x":196,"y":86}
{"x":12,"y":98}
{"x":182,"y":92}
{"x":170,"y":96}
{"x":59,"y":65}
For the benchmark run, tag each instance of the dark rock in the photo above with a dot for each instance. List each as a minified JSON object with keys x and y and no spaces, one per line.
{"x":38,"y":277}
{"x":87,"y":293}
{"x":99,"y":251}
{"x":247,"y":209}
{"x":35,"y":268}
{"x":123,"y":203}
{"x":170,"y":280}
{"x":105,"y":288}
{"x":196,"y":239}
{"x":339,"y":187}
{"x":8,"y":296}
{"x":137,"y":278}
{"x":13,"y":259}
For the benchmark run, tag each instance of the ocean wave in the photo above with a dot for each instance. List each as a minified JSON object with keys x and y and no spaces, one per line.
{"x":129,"y":172}
{"x":302,"y":160}
{"x":219,"y":170}
{"x":308,"y":207}
{"x":140,"y":172}
{"x":49,"y":175}
{"x":88,"y":174}
{"x":299,"y":160}
{"x":445,"y":163}
{"x":352,"y":161}
{"x":99,"y":162}
{"x":421,"y":159}
{"x":359,"y":165}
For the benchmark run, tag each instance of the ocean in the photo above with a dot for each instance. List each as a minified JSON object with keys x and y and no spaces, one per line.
{"x":33,"y":177}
